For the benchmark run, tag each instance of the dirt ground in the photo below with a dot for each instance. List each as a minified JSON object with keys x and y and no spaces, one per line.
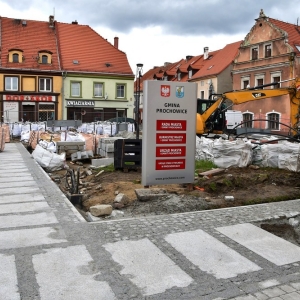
{"x":247,"y":186}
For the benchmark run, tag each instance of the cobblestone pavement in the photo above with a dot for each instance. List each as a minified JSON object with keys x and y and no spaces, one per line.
{"x":48,"y":251}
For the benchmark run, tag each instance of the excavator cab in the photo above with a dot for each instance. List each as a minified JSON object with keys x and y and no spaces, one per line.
{"x":217,"y":120}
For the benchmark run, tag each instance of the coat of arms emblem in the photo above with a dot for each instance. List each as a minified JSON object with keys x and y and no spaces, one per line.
{"x":165,"y":91}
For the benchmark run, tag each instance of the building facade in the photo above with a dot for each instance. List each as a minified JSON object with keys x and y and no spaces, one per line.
{"x":30,"y":76}
{"x":52,"y":70}
{"x":97,"y":78}
{"x":269,"y":53}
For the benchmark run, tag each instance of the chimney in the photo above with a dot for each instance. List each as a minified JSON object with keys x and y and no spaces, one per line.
{"x":116,"y":42}
{"x":205,"y":56}
{"x":51,"y":21}
{"x":75,"y":22}
{"x":188,"y":57}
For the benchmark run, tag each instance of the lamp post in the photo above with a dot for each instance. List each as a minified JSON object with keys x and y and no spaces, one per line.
{"x":139,"y":68}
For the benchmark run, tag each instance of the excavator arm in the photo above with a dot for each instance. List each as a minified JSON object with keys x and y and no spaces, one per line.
{"x":253,"y":94}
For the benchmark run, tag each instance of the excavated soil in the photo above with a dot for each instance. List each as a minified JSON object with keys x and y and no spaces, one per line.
{"x":247,"y":186}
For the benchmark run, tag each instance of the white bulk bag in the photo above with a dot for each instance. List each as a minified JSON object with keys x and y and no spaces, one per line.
{"x":48,"y":160}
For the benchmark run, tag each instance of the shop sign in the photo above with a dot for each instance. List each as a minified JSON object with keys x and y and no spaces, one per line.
{"x":80,"y":103}
{"x":35,"y":98}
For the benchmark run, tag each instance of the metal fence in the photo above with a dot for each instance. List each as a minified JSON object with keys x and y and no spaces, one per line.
{"x":45,"y":114}
{"x":18,"y":129}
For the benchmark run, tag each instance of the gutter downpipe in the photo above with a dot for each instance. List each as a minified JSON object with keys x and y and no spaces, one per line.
{"x":64,"y":75}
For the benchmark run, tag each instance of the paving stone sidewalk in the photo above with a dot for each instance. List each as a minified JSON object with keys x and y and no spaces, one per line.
{"x":49,"y":251}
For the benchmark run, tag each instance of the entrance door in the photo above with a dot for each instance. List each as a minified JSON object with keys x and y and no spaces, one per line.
{"x":28,"y":113}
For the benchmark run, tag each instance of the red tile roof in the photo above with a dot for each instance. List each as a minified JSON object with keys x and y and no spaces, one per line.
{"x":30,"y":37}
{"x":219,"y":61}
{"x":148,"y":76}
{"x":171,"y":69}
{"x":73,"y":42}
{"x":197,"y":62}
{"x":292,"y":30}
{"x":93,"y":52}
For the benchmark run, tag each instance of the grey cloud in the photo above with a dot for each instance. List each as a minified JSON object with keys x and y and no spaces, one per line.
{"x":178,"y":17}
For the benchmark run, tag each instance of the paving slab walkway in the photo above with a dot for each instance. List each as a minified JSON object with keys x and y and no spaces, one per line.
{"x":49,"y":251}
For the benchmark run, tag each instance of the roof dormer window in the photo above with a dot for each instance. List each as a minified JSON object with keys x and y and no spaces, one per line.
{"x":45,"y":57}
{"x":15,"y":56}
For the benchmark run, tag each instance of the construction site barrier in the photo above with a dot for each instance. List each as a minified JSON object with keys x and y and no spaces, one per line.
{"x":128,"y":154}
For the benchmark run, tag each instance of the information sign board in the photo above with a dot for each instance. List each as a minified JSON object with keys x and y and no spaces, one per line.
{"x":169,"y":132}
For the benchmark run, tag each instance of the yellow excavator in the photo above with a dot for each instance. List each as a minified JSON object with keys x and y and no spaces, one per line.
{"x":210,"y":112}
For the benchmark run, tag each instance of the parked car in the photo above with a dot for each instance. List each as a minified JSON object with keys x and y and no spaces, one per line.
{"x":121,"y":120}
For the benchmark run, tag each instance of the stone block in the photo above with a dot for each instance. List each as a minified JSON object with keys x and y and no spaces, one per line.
{"x":101,"y":210}
{"x":122,"y":199}
{"x":149,"y":194}
{"x":102,"y":162}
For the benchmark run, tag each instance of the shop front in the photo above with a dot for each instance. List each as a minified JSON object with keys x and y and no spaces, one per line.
{"x":29,"y":108}
{"x":87,"y":111}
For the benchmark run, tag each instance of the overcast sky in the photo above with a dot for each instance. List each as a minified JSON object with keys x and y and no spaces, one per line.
{"x":153,"y":32}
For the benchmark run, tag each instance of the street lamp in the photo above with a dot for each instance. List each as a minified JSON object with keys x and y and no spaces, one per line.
{"x":139,"y":68}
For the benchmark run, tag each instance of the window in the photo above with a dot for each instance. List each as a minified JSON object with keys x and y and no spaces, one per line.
{"x":202,"y":94}
{"x":75,"y":89}
{"x":44,"y":59}
{"x":45,"y":84}
{"x":259,"y":80}
{"x":276,"y":77}
{"x":98,"y":89}
{"x":120,"y":91}
{"x":46,"y":112}
{"x":273,"y":121}
{"x":190,"y":73}
{"x":11,"y":83}
{"x":268,"y":50}
{"x":179,"y":76}
{"x":15,"y":57}
{"x":202,"y":83}
{"x":245,"y":82}
{"x":254,"y":53}
{"x":247,"y":120}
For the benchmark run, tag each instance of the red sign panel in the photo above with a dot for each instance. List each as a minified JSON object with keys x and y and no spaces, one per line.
{"x":170,"y":164}
{"x":171,"y":138}
{"x":170,"y":151}
{"x":171,"y":125}
{"x":42,"y":98}
{"x":165,"y":90}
